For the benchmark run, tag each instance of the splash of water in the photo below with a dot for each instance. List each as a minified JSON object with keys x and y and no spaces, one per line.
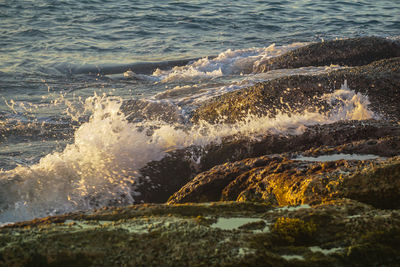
{"x":101,"y":166}
{"x":348,"y":104}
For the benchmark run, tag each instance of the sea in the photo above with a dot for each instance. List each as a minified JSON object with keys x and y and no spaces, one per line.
{"x":67,"y":66}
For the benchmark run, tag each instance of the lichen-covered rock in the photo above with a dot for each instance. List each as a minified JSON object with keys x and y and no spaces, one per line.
{"x":347,"y":52}
{"x":282,"y":181}
{"x":207,"y":186}
{"x":338,"y":233}
{"x":295,"y":94}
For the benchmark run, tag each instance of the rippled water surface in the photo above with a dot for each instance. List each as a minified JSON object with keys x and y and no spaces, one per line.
{"x":40,"y":35}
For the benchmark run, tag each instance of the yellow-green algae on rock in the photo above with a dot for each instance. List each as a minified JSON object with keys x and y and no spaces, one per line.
{"x":279,"y":180}
{"x":183,"y":234}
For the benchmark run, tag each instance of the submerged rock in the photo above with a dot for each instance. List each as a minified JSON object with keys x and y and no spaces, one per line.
{"x":295,"y":94}
{"x":339,"y":233}
{"x":347,"y":52}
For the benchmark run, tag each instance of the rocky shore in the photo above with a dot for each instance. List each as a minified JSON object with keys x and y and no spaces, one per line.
{"x":163,"y":178}
{"x":327,"y":196}
{"x":335,"y":233}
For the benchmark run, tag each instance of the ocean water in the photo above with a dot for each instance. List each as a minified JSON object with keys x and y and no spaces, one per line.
{"x":67,"y":66}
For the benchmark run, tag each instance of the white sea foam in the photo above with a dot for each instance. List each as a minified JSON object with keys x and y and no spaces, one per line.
{"x":229,"y":62}
{"x":101,"y":166}
{"x":198,"y":93}
{"x":231,"y":70}
{"x":340,"y":100}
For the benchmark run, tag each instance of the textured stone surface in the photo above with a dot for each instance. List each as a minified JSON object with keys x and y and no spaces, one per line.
{"x":160,"y":179}
{"x":339,"y":233}
{"x":378,"y":80}
{"x":348,"y":52}
{"x":137,"y":110}
{"x":282,"y":181}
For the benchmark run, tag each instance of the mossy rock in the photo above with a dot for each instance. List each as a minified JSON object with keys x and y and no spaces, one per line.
{"x":293,"y":231}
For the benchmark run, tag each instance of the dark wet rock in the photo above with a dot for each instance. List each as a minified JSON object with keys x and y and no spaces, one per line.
{"x":160,"y":179}
{"x":338,"y":233}
{"x":295,"y":94}
{"x":137,"y":110}
{"x":332,"y":135}
{"x":348,"y":52}
{"x":282,"y":181}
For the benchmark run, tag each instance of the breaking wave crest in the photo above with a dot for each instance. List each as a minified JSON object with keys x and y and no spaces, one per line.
{"x":229,"y":62}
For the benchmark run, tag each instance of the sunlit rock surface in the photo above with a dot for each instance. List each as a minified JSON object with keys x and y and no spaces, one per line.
{"x":278,"y":180}
{"x":139,"y":110}
{"x":346,"y":52}
{"x":161,"y":179}
{"x":294,"y":94}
